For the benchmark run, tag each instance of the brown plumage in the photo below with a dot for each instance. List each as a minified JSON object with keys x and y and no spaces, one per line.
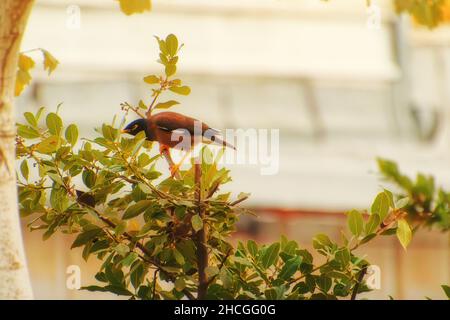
{"x":174,"y":130}
{"x":171,"y":129}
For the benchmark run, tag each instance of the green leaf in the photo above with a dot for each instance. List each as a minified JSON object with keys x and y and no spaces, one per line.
{"x":109,"y":132}
{"x":39,"y":113}
{"x":54,"y":123}
{"x":136,"y":209}
{"x":27,"y":132}
{"x":211,"y":271}
{"x":137,"y":274}
{"x":321,"y":241}
{"x":446,"y":290}
{"x":390,"y":197}
{"x":122,"y":249}
{"x":129,"y":259}
{"x":243,"y":261}
{"x":368,"y":238}
{"x":380,"y":205}
{"x":142,"y":105}
{"x":373,"y":223}
{"x":30,"y":119}
{"x":118,"y":290}
{"x":196,"y":222}
{"x":324,"y":283}
{"x":355,"y":222}
{"x":94,"y":289}
{"x":166,"y":105}
{"x":180,"y":284}
{"x":86,"y":236}
{"x":290,"y":267}
{"x":24,"y":169}
{"x":271,"y":294}
{"x":72,"y":134}
{"x":270,"y":255}
{"x":404,"y":233}
{"x":401,"y":203}
{"x":183,"y":90}
{"x":88,"y":177}
{"x":99,"y":245}
{"x":172,"y":44}
{"x":343,"y":256}
{"x":151,"y":79}
{"x":178,"y":257}
{"x":252,"y":247}
{"x":48,"y":145}
{"x":389,"y":232}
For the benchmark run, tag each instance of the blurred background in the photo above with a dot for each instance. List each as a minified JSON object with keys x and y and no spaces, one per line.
{"x":342,"y":83}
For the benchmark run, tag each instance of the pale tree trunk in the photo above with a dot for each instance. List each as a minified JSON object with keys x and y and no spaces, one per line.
{"x":14,"y":279}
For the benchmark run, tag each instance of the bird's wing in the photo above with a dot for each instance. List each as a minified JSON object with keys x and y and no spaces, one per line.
{"x":170,"y":121}
{"x":173,"y":122}
{"x":164,"y":128}
{"x":179,"y":131}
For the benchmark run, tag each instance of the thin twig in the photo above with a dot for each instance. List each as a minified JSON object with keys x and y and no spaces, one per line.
{"x":155,"y":275}
{"x":362,"y":273}
{"x":238,"y":201}
{"x":126,"y":105}
{"x":222,"y":263}
{"x":150,"y":107}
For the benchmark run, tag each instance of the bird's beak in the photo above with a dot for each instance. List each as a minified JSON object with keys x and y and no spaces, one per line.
{"x":124,"y":131}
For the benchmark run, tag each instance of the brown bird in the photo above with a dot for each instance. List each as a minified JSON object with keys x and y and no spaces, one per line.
{"x":177,"y":131}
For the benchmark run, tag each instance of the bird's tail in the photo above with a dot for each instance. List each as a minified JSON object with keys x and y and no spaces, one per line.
{"x":221,"y":142}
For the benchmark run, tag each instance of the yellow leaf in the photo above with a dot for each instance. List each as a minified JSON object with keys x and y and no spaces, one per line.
{"x":151,"y":79}
{"x":133,"y":225}
{"x":23,"y":78}
{"x":170,"y":70}
{"x":25,"y":62}
{"x":130,"y":7}
{"x":50,"y":62}
{"x":166,"y":105}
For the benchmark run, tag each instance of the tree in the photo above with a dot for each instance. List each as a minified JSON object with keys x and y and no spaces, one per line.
{"x":177,"y":231}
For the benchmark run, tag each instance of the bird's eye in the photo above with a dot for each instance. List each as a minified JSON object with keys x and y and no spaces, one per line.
{"x":134,"y":127}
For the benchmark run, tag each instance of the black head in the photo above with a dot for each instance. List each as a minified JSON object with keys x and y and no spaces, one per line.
{"x":136,"y":126}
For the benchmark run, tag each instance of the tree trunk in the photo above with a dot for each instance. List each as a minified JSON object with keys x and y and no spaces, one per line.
{"x":14,"y":280}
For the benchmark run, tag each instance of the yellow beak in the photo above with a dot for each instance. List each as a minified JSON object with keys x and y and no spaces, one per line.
{"x":124,"y":131}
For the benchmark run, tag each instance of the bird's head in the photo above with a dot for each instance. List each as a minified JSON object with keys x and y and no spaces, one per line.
{"x":135,"y":127}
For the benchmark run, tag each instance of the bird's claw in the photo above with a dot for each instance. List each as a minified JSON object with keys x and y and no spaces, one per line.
{"x":174,"y":169}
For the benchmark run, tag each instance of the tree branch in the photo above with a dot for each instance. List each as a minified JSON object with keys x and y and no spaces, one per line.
{"x":202,"y":251}
{"x":361,"y":275}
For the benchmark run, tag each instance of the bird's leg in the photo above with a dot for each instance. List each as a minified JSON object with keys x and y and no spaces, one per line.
{"x":174,"y":169}
{"x":165,"y":151}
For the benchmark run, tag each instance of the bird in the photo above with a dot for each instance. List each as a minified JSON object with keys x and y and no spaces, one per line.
{"x":173,"y":130}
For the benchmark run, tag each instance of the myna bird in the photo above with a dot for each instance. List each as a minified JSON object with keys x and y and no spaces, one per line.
{"x":174,"y":130}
